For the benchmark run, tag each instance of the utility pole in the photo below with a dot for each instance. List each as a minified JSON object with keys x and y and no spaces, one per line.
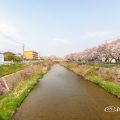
{"x":23,"y":47}
{"x":14,"y":41}
{"x":106,"y":41}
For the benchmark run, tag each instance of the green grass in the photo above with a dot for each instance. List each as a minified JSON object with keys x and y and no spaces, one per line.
{"x":37,"y":62}
{"x":112,"y":88}
{"x":109,"y":86}
{"x":12,"y":100}
{"x":105,"y":65}
{"x":8,"y":69}
{"x":104,"y":82}
{"x":110,"y":65}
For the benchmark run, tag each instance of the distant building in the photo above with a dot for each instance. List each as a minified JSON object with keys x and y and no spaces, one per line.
{"x":30,"y":55}
{"x":1,"y":58}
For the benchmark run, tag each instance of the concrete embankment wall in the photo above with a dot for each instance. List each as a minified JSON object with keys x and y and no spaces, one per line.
{"x":8,"y":82}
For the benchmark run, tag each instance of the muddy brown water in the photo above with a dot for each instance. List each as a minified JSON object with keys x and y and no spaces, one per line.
{"x":63,"y":95}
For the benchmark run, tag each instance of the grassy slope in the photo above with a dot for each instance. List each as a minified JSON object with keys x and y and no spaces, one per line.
{"x":107,"y":85}
{"x":8,"y":69}
{"x":115,"y":66}
{"x":12,"y":100}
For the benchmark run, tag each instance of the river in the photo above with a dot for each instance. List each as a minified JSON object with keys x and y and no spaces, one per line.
{"x":63,"y":95}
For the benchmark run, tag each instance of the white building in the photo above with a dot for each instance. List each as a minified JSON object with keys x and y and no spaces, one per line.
{"x":1,"y":58}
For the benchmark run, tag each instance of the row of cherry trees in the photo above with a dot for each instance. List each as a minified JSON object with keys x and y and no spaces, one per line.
{"x":108,"y":52}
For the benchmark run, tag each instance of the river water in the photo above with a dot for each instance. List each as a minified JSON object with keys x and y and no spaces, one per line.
{"x":63,"y":95}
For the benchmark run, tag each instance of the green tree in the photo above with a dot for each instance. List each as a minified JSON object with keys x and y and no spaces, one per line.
{"x":17,"y":58}
{"x":8,"y":57}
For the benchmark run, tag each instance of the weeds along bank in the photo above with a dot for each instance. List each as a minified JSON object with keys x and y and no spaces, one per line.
{"x":107,"y":78}
{"x":9,"y":81}
{"x":10,"y":101}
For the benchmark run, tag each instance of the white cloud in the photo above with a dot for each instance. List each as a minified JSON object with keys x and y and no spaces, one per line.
{"x":93,"y":34}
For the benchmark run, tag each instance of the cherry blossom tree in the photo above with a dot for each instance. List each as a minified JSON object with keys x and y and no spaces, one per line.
{"x":102,"y":53}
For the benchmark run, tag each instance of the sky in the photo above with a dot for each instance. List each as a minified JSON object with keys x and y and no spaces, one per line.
{"x":57,"y":27}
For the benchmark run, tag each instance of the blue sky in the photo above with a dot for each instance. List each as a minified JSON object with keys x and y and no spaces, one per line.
{"x":58,"y":27}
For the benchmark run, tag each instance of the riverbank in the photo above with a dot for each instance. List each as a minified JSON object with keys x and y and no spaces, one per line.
{"x":8,"y":69}
{"x":12,"y":100}
{"x":63,"y":95}
{"x":105,"y":78}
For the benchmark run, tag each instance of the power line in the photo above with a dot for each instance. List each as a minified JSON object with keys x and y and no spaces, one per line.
{"x":13,"y":40}
{"x":9,"y":38}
